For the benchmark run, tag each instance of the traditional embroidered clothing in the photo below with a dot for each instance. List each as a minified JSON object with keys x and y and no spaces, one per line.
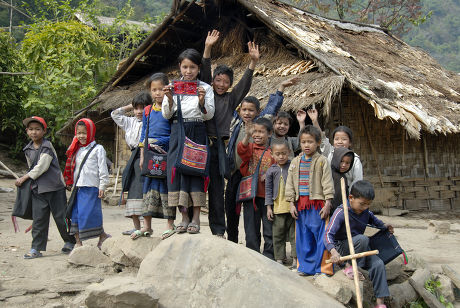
{"x":155,"y":191}
{"x":304,"y":176}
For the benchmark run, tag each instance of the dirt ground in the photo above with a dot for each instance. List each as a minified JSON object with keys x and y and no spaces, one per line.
{"x":50,"y":280}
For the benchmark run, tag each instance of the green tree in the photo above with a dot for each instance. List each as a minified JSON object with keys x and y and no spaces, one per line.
{"x":67,"y":59}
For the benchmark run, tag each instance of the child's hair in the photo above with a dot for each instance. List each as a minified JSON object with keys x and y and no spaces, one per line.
{"x":252,"y":100}
{"x":157,"y":77}
{"x":142,"y":99}
{"x":190,"y":54}
{"x":223,"y":70}
{"x":81,"y":123}
{"x":344,"y":129}
{"x":283,"y":115}
{"x":363,"y":189}
{"x":349,"y":154}
{"x":311,"y":130}
{"x":279,"y":142}
{"x":266,"y":123}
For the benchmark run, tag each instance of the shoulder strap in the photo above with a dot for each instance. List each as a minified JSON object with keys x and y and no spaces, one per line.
{"x":260,"y":161}
{"x":146,"y":138}
{"x":82,"y":163}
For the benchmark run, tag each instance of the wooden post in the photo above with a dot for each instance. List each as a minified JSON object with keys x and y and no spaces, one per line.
{"x":356,"y":256}
{"x":116,"y":182}
{"x":9,"y":170}
{"x":359,"y":298}
{"x":374,"y":153}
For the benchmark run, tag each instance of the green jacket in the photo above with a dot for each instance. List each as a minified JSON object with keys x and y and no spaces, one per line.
{"x":321,"y":184}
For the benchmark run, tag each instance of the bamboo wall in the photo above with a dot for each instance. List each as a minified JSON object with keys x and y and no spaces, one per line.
{"x":407,"y":174}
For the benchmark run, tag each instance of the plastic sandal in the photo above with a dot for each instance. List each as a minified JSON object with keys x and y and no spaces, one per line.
{"x":167,"y":233}
{"x":33,"y":254}
{"x":128,"y":232}
{"x":192,"y":226}
{"x":182,"y":227}
{"x":349,"y":274}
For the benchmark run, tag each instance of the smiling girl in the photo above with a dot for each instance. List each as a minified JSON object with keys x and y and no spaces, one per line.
{"x":195,"y":110}
{"x":309,"y":189}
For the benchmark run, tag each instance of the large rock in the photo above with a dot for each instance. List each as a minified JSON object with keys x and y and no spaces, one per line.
{"x":206,"y":271}
{"x":337,"y":286}
{"x":447,"y":288}
{"x":88,"y":255}
{"x":394,"y":269}
{"x":121,"y":292}
{"x":125,"y":251}
{"x":402,"y":294}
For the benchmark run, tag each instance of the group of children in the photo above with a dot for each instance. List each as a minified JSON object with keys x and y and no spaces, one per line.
{"x":294,"y":198}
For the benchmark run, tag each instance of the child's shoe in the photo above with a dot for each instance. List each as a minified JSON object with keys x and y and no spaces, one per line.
{"x":68,"y":247}
{"x":33,"y":253}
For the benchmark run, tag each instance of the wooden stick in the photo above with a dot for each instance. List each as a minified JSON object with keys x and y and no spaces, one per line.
{"x":374,"y":153}
{"x":453,"y":275}
{"x":356,"y":256}
{"x":429,"y":298}
{"x":116,"y":182}
{"x":359,"y":298}
{"x":9,"y":170}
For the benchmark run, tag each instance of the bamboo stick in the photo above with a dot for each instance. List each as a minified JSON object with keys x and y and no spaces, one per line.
{"x":359,"y":298}
{"x":116,"y":182}
{"x":356,"y":256}
{"x":9,"y":170}
{"x":374,"y":154}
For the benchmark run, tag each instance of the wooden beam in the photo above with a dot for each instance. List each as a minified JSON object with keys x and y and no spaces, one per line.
{"x":356,"y":256}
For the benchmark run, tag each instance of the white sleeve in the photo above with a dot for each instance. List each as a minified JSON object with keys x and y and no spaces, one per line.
{"x":208,"y":104}
{"x":357,"y":170}
{"x":325,"y":147}
{"x":165,"y":110}
{"x":119,"y":118}
{"x":41,"y":167}
{"x":102,"y":167}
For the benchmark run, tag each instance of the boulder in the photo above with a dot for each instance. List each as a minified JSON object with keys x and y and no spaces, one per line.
{"x":121,"y":292}
{"x":88,"y":256}
{"x":338,"y":286}
{"x":402,"y":294}
{"x":206,"y":271}
{"x":447,"y":288}
{"x":125,"y":251}
{"x":394,"y":269}
{"x":421,"y":275}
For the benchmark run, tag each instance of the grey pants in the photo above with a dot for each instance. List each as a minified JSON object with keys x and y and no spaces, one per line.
{"x":373,"y":264}
{"x":283,"y":228}
{"x":42,"y":204}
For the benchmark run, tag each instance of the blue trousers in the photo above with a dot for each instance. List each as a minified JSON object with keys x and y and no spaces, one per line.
{"x":310,"y":229}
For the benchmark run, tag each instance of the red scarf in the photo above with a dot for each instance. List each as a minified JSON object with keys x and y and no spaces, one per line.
{"x":75,"y":146}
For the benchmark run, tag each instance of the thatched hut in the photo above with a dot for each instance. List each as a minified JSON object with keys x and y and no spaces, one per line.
{"x":402,"y":106}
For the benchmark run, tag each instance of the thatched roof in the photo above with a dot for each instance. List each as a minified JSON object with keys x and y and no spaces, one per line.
{"x":401,"y":83}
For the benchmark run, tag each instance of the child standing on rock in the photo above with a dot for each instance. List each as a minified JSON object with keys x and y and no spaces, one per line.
{"x":277,"y":206}
{"x":131,"y":179}
{"x":91,"y":183}
{"x":310,"y":189}
{"x":48,"y":188}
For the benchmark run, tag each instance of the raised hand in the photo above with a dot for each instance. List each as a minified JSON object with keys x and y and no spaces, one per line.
{"x":301,"y":116}
{"x":212,"y":38}
{"x":313,"y":114}
{"x":287,"y":83}
{"x":201,"y":95}
{"x":253,"y":54}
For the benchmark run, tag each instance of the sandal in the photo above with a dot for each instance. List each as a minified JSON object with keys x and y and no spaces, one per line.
{"x":168,"y":233}
{"x":182,"y":227}
{"x":68,"y":247}
{"x":128,"y":232}
{"x":33,"y":253}
{"x":193,"y":228}
{"x":348,"y":271}
{"x":138,"y":233}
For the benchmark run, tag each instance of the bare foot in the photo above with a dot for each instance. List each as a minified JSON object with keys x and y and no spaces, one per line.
{"x":78,"y":245}
{"x":102,"y":238}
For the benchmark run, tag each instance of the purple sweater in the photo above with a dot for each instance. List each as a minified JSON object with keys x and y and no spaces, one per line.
{"x":336,"y":231}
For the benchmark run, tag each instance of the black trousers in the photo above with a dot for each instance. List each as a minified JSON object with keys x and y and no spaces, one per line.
{"x":216,"y":194}
{"x":233,"y":219}
{"x":42,"y":204}
{"x":252,"y":219}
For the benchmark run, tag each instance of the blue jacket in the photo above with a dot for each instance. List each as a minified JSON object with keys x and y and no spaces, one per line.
{"x":273,"y":106}
{"x":336,"y":231}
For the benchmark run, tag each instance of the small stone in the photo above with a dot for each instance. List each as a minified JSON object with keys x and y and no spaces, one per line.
{"x":402,"y":294}
{"x":88,"y":256}
{"x":51,"y":295}
{"x":441,"y":227}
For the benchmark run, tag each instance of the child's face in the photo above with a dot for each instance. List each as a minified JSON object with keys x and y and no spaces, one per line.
{"x":188,"y":69}
{"x":138,"y":111}
{"x":260,"y":135}
{"x":221,"y":84}
{"x":280,"y":153}
{"x":345,"y":163}
{"x":308,"y":144}
{"x":248,"y":112}
{"x":281,"y":127}
{"x":341,"y":139}
{"x":81,"y":134}
{"x":360,"y":204}
{"x":156,"y":90}
{"x":35,"y":131}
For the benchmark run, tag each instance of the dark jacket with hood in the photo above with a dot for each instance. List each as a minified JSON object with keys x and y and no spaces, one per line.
{"x":339,"y":153}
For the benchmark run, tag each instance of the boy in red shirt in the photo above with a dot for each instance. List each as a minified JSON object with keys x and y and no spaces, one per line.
{"x":255,"y":210}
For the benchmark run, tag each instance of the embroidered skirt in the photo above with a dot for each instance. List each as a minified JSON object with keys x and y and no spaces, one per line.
{"x":155,"y":201}
{"x":185,"y":190}
{"x":134,"y":203}
{"x":87,"y":214}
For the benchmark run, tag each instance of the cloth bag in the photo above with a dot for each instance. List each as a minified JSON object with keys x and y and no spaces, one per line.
{"x":73,"y":195}
{"x":387,"y":245}
{"x":247,"y":190}
{"x":23,"y":204}
{"x":155,"y":163}
{"x":193,"y":158}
